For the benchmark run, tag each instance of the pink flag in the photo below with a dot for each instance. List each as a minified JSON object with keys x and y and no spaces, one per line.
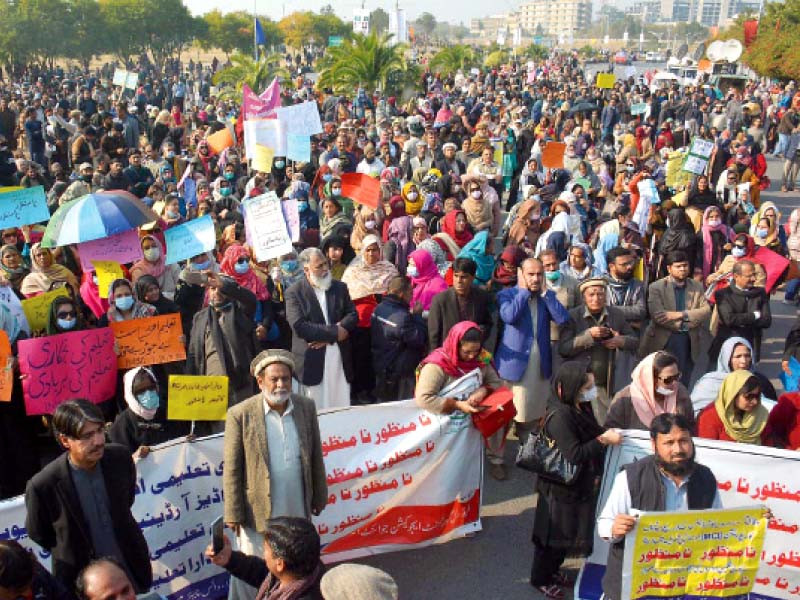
{"x":263,"y":106}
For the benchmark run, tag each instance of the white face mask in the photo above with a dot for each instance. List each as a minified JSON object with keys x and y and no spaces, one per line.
{"x":664,"y":391}
{"x":714,"y":222}
{"x":475,"y":194}
{"x":369,"y":224}
{"x":152,"y":254}
{"x":738,"y":252}
{"x":413,"y":195}
{"x":589,"y":395}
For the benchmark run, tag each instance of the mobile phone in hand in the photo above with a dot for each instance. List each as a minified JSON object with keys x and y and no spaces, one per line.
{"x":217,"y":534}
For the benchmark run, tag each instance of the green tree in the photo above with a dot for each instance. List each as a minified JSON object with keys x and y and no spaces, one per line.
{"x":228,"y":32}
{"x":450,"y":59}
{"x":378,"y":21}
{"x":774,"y":51}
{"x":426,"y":23}
{"x":87,"y":37}
{"x":125,"y":22}
{"x":300,"y":28}
{"x":39,"y":37}
{"x":245,"y":69}
{"x":536,"y":52}
{"x":496,"y":58}
{"x":170,"y":28}
{"x":369,"y":61}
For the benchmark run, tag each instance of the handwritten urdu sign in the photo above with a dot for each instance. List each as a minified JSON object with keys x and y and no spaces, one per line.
{"x":79,"y":364}
{"x":266,"y":227}
{"x":122,"y":248}
{"x":23,"y":207}
{"x":190,"y":239}
{"x":197,"y":397}
{"x":149,"y":341}
{"x":301,"y":119}
{"x":37,"y":309}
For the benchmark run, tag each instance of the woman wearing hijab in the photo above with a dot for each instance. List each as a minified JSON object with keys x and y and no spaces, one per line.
{"x":557,"y":237}
{"x":154,"y":263}
{"x":149,"y":291}
{"x":680,"y":235}
{"x":64,"y":317}
{"x":396,"y":209}
{"x":455,"y":233}
{"x":713,"y":242}
{"x":46,"y":274}
{"x":743,"y":248}
{"x":333,"y":220}
{"x":90,"y":295}
{"x":366,"y":278}
{"x":526,"y":225}
{"x":736,"y":354}
{"x":367,"y":222}
{"x":476,"y":206}
{"x":123,"y":305}
{"x":580,"y":263}
{"x":460,"y":353}
{"x":12,"y":267}
{"x":236,"y":265}
{"x":478,"y":249}
{"x":531,"y":175}
{"x":400,"y":244}
{"x":505,"y":273}
{"x":767,"y":236}
{"x":701,"y":196}
{"x":655,"y":389}
{"x":143,"y":423}
{"x":425,"y":277}
{"x":333,"y":189}
{"x":412,"y":199}
{"x":737,"y":414}
{"x":565,"y":514}
{"x":793,"y":247}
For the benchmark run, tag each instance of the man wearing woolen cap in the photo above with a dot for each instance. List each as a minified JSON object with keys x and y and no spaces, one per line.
{"x":273,"y":458}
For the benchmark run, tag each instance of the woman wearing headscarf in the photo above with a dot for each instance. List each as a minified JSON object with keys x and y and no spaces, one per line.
{"x":46,"y":274}
{"x":143,"y":423}
{"x":333,"y":189}
{"x":123,"y":305}
{"x":579,"y":263}
{"x":425,"y":277}
{"x":557,"y":237}
{"x":701,"y":196}
{"x":478,"y":249}
{"x":736,"y":354}
{"x":743,"y":248}
{"x":476,"y":205}
{"x":333,"y":220}
{"x":737,"y":414}
{"x":644,"y":145}
{"x":460,"y":353}
{"x":655,"y":389}
{"x":367,"y":222}
{"x":400,"y":242}
{"x":149,"y":291}
{"x":455,"y":233}
{"x":90,"y":295}
{"x":713,"y":242}
{"x":793,"y":248}
{"x":12,"y":267}
{"x":236,"y":264}
{"x":396,"y":209}
{"x":154,"y":263}
{"x":64,"y":317}
{"x":505,"y":273}
{"x":565,"y":514}
{"x":412,"y":198}
{"x":680,"y":235}
{"x":525,"y":228}
{"x":532,"y":174}
{"x":366,"y":278}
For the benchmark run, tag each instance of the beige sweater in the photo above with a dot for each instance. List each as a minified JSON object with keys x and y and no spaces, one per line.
{"x":432,"y":379}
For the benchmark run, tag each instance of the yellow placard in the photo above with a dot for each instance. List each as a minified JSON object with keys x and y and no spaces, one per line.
{"x":696,"y":554}
{"x":262,"y":160}
{"x":197,"y":398}
{"x":606,"y":80}
{"x":37,"y":309}
{"x":498,"y":152}
{"x":107,"y":271}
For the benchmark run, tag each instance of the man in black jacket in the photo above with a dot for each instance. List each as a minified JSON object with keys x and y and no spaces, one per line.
{"x":79,"y":506}
{"x":399,"y":341}
{"x":668,"y":480}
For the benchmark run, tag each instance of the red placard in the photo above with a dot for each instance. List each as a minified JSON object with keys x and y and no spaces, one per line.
{"x":361,"y":188}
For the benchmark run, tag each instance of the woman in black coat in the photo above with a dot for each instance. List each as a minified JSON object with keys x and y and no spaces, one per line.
{"x":680,"y":235}
{"x":564,"y":521}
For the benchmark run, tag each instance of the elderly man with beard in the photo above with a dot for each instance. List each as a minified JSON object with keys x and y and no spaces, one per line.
{"x":273,"y":458}
{"x":668,"y":480}
{"x":322,"y":317}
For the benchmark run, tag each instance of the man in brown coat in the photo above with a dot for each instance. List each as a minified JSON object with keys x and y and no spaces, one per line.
{"x":273,"y":458}
{"x":679,"y":312}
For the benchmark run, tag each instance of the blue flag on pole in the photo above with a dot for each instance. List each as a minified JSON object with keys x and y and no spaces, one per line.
{"x":261,"y":38}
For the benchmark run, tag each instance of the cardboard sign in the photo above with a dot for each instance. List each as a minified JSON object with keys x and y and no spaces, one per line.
{"x":606,"y":80}
{"x":266,"y":227}
{"x":291,"y":214}
{"x":267,"y":132}
{"x":79,"y":364}
{"x":362,"y":189}
{"x":553,"y":155}
{"x":107,"y":271}
{"x":701,"y":147}
{"x":298,"y":147}
{"x":197,"y":398}
{"x":220,"y":140}
{"x":120,"y":75}
{"x":9,"y":299}
{"x":190,"y":239}
{"x":122,"y":248}
{"x":23,"y":207}
{"x":149,"y":341}
{"x":639,"y":108}
{"x":37,"y":309}
{"x":262,"y":159}
{"x":6,"y":372}
{"x":301,"y":119}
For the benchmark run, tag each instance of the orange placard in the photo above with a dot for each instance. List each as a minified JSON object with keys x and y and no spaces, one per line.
{"x":149,"y":341}
{"x":553,"y":155}
{"x":220,"y":140}
{"x":6,"y":372}
{"x":361,"y":188}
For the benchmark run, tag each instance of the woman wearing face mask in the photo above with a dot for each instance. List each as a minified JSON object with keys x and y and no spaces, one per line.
{"x":171,"y":214}
{"x":736,"y":354}
{"x":226,"y":203}
{"x":766,"y":236}
{"x":204,"y":161}
{"x":737,"y":414}
{"x":412,"y":198}
{"x":367,"y":222}
{"x":743,"y":248}
{"x":476,"y":207}
{"x":333,"y":190}
{"x":713,"y":242}
{"x":426,"y":280}
{"x":143,"y":423}
{"x":236,"y":265}
{"x":12,"y":267}
{"x":123,"y":305}
{"x":563,"y":524}
{"x":154,"y":263}
{"x":64,"y":317}
{"x":46,"y":274}
{"x":655,"y":389}
{"x":309,"y":221}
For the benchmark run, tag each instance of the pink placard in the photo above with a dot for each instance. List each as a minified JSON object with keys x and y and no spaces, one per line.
{"x":123,"y":248}
{"x":67,"y":366}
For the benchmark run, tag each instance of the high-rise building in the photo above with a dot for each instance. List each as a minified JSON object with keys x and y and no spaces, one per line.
{"x":564,"y":18}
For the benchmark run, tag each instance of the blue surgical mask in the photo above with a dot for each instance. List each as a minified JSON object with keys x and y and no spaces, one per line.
{"x":241,"y":268}
{"x":124,"y":303}
{"x":279,"y":164}
{"x":224,"y":191}
{"x":230,"y":176}
{"x":738,"y":252}
{"x":302,"y":205}
{"x":762,"y":233}
{"x":327,"y":176}
{"x":289,"y":265}
{"x":148,"y":399}
{"x":411,"y":271}
{"x":552,"y":275}
{"x":200,"y":266}
{"x":171,"y":214}
{"x":66,"y":324}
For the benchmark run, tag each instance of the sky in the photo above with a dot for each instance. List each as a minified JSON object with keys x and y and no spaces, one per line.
{"x":443,"y":10}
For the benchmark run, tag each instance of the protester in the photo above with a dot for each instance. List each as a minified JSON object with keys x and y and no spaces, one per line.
{"x":22,"y":576}
{"x":46,"y":274}
{"x":737,"y":414}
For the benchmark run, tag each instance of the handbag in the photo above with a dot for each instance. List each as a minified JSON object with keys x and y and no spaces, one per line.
{"x":499,"y":412}
{"x":540,"y":455}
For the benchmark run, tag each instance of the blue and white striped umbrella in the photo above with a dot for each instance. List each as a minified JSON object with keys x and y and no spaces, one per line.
{"x":96,"y":216}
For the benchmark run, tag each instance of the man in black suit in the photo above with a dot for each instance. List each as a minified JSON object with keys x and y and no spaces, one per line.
{"x":78,"y":506}
{"x":322,"y":317}
{"x":462,"y":302}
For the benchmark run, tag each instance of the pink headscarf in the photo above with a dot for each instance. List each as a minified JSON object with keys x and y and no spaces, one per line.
{"x":428,"y":282}
{"x":708,"y":244}
{"x":91,"y":296}
{"x":643,"y":393}
{"x":145,"y":267}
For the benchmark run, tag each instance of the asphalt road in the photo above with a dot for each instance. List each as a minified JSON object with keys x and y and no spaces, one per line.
{"x":495,"y":563}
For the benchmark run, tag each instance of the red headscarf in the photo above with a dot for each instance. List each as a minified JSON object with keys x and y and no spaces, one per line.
{"x":449,"y":227}
{"x":447,"y":357}
{"x":511,"y":254}
{"x":397,"y":208}
{"x":248,"y":280}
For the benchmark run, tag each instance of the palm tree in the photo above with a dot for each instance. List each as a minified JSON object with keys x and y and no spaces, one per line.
{"x":245,"y":69}
{"x":363,"y":61}
{"x":452,"y":58}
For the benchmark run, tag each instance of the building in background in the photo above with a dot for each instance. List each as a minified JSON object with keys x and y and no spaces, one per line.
{"x":562,"y":18}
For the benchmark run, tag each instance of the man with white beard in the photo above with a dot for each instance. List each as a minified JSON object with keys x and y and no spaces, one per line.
{"x":322,"y":317}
